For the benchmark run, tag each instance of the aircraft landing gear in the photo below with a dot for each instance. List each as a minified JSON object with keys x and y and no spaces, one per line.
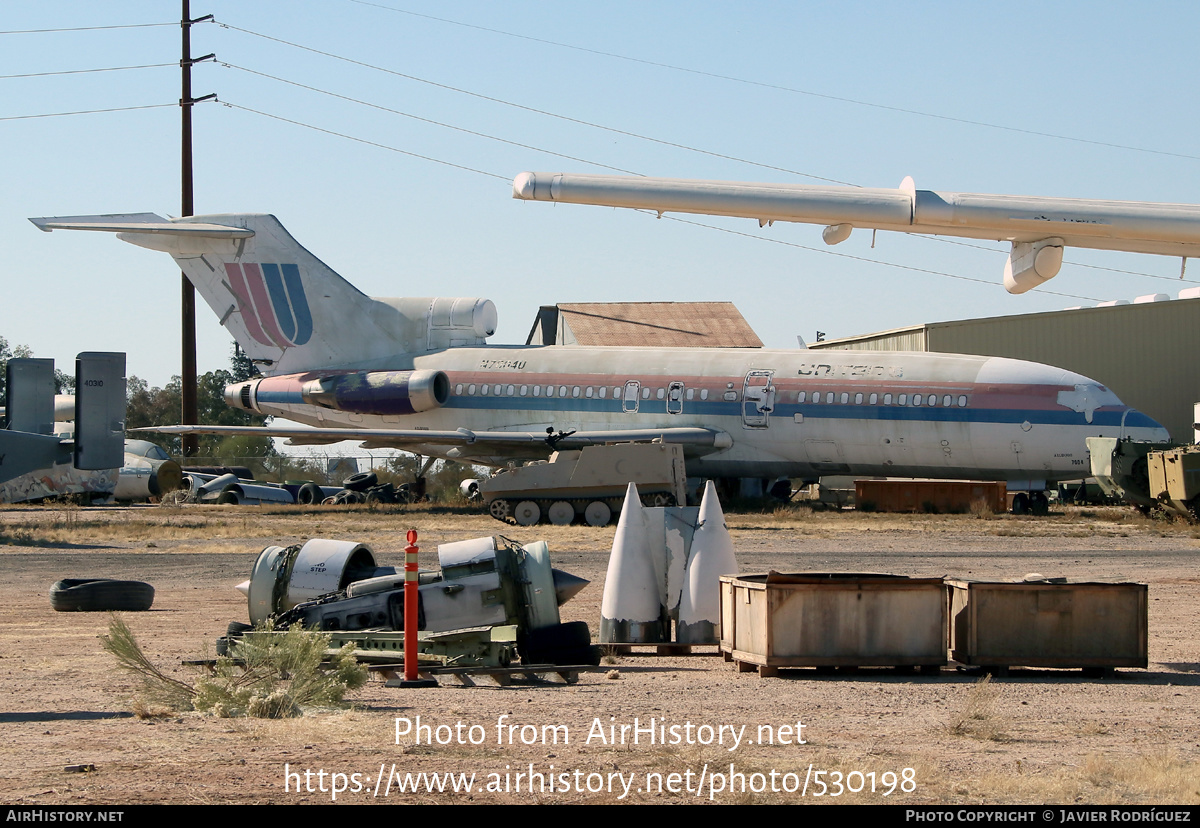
{"x":1039,"y":504}
{"x":1030,"y":503}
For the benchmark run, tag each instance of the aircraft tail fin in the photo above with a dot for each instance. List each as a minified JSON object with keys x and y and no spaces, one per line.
{"x":27,"y":444}
{"x":285,"y":307}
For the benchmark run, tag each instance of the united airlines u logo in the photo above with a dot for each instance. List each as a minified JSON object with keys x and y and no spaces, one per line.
{"x":272,"y":302}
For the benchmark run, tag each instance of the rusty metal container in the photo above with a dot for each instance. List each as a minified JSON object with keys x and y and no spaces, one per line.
{"x":944,"y":496}
{"x":1044,"y":624}
{"x":832,"y":620}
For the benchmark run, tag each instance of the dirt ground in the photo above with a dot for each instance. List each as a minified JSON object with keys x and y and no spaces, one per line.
{"x":1035,"y":736}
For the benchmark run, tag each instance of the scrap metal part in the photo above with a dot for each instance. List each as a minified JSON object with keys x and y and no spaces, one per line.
{"x":492,"y":582}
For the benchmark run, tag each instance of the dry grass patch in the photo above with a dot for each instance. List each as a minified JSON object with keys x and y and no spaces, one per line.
{"x":1129,"y":780}
{"x":978,"y":717}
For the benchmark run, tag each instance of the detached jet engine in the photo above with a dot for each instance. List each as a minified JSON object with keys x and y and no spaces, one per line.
{"x":336,"y":586}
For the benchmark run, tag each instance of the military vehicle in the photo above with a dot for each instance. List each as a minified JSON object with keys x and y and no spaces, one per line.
{"x":1121,"y":467}
{"x":588,"y":483}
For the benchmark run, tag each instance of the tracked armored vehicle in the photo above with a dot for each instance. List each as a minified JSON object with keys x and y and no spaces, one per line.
{"x":588,"y":484}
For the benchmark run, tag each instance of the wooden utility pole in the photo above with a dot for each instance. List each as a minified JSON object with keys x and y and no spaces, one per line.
{"x":190,"y":414}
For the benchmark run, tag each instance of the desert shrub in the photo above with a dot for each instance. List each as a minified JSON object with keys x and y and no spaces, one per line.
{"x":271,"y":674}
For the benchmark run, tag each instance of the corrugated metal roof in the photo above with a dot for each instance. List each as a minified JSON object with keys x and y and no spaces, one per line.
{"x":657,"y":324}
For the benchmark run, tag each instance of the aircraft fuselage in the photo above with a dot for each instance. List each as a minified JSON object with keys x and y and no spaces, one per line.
{"x":802,"y":413}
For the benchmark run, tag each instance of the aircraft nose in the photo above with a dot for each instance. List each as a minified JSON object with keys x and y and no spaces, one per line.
{"x":1138,"y":426}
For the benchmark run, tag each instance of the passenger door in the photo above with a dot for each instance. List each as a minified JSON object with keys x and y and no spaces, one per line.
{"x":758,"y":399}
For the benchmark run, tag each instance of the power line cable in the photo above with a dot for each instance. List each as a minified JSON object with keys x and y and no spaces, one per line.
{"x":364,"y":141}
{"x":425,"y":120}
{"x":581,"y":122}
{"x":671,"y":218}
{"x":84,"y":112}
{"x":87,"y":71}
{"x":534,"y":110}
{"x":793,"y":90}
{"x":573,"y":120}
{"x":505,"y":178}
{"x":88,"y":28}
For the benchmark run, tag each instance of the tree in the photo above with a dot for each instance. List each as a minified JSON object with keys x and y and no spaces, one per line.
{"x":241,"y":366}
{"x":7,"y":353}
{"x":63,"y":383}
{"x":161,"y":406}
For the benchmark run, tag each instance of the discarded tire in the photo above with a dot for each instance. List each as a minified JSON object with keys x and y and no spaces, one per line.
{"x":360,"y":482}
{"x":569,"y":643}
{"x":236,"y":628}
{"x":100,"y":595}
{"x":309,"y":494}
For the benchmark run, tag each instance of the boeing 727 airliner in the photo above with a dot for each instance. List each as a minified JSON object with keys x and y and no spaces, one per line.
{"x":417,"y":374}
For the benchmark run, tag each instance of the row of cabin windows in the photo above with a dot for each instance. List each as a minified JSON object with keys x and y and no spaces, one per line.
{"x":601,"y":392}
{"x":946,"y":400}
{"x":589,"y":391}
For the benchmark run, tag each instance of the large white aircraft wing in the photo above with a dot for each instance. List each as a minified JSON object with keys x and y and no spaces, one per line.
{"x":1038,"y":228}
{"x":465,"y":443}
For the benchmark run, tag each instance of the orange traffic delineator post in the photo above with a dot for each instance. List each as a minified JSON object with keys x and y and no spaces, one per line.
{"x":411,"y":678}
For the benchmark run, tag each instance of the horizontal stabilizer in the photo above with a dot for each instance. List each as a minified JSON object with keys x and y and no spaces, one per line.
{"x":141,"y":223}
{"x":22,"y":452}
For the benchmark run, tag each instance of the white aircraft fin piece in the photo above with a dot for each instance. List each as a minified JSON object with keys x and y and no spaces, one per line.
{"x":629,"y":609}
{"x":712,"y":556}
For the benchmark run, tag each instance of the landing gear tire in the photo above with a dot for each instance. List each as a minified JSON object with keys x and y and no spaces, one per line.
{"x":501,"y":510}
{"x":1039,"y":504}
{"x":527,"y":513}
{"x":1020,"y":504}
{"x":561,"y":513}
{"x":597,"y":513}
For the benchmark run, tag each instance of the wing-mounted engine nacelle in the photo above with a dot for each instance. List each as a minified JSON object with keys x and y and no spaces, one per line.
{"x":433,"y":324}
{"x":379,"y":392}
{"x":363,"y":392}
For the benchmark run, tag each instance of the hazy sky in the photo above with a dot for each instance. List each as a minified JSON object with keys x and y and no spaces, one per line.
{"x":1072,"y":99}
